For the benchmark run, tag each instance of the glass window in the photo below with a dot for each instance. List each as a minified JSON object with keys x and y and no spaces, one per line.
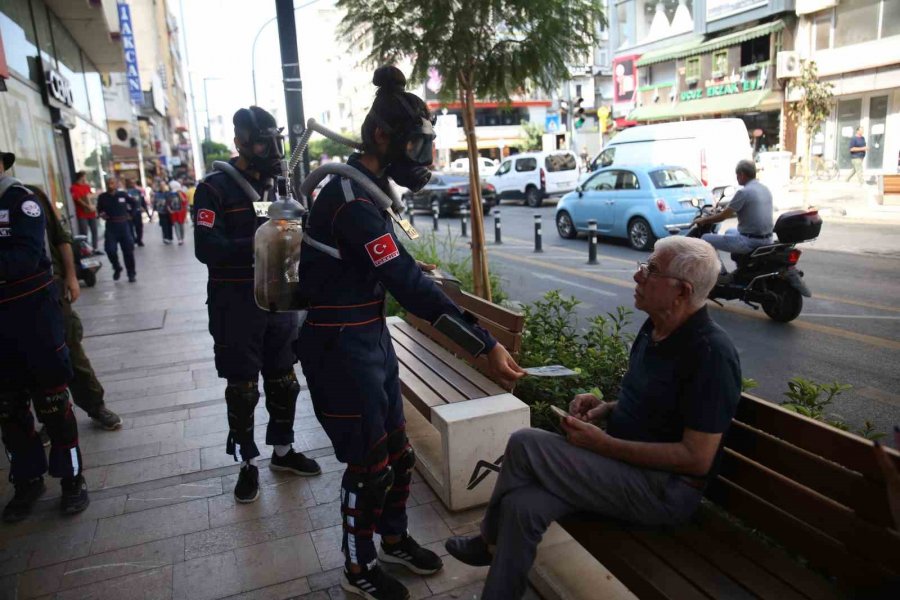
{"x":526,"y":164}
{"x":720,"y":62}
{"x":70,"y":66}
{"x":560,"y":162}
{"x":605,"y":180}
{"x":755,"y":51}
{"x":604,"y":159}
{"x":504,"y":168}
{"x":692,"y":68}
{"x":822,"y":25}
{"x":890,"y":20}
{"x":878,"y":109}
{"x":94,"y":81}
{"x":855,"y":21}
{"x":673,"y":178}
{"x":625,"y":25}
{"x":19,"y":41}
{"x":627,"y":181}
{"x":91,"y":152}
{"x":849,"y":115}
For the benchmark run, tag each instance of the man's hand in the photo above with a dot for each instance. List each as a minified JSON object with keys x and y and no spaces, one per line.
{"x":589,"y":408}
{"x":503,"y":365}
{"x":426,"y":267}
{"x":73,"y":289}
{"x":584,"y":435}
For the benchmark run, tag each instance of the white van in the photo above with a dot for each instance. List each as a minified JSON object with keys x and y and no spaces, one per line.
{"x":708,"y":148}
{"x":533,"y":176}
{"x":486,"y":166}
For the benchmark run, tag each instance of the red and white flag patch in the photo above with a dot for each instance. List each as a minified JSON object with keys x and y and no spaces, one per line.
{"x":206,"y":218}
{"x":382,"y":249}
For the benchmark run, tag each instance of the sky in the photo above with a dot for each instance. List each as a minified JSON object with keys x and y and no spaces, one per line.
{"x":220,"y":35}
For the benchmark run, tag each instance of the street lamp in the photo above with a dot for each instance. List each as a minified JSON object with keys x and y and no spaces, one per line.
{"x":253,"y":47}
{"x":206,"y":104}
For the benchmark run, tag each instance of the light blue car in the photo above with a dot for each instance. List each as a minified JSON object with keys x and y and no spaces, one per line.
{"x":641,"y":203}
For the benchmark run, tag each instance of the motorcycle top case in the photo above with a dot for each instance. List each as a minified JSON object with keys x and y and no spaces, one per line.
{"x":798,"y":226}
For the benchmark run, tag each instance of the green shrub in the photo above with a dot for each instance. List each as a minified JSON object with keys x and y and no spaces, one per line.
{"x":805,"y":397}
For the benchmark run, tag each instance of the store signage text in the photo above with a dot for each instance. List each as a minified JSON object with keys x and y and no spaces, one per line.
{"x":131,"y":64}
{"x":723,"y":89}
{"x":59,"y":88}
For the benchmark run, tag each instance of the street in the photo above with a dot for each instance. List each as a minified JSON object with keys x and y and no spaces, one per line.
{"x":849,"y":330}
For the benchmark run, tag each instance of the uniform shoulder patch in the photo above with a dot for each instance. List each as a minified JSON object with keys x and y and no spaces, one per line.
{"x":206,"y":218}
{"x":382,"y":249}
{"x":31,"y":208}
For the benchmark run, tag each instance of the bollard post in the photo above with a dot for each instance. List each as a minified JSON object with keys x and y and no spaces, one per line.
{"x":592,"y":242}
{"x":498,"y":239}
{"x":538,"y":245}
{"x":435,"y":213}
{"x":410,"y":213}
{"x":463,"y":215}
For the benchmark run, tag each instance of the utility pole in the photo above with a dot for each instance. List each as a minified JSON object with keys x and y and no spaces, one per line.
{"x":290,"y":75}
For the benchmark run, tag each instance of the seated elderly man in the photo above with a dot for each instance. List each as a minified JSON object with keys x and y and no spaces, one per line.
{"x":663,"y":434}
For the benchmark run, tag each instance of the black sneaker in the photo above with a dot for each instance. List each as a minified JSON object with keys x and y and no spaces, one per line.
{"x":295,"y":463}
{"x":45,"y":437}
{"x":374,"y":584}
{"x":247,"y":488}
{"x":117,"y":273}
{"x":74,"y":495}
{"x":472,"y":551}
{"x":410,"y":554}
{"x":27,"y":493}
{"x":132,"y":278}
{"x":106,"y":419}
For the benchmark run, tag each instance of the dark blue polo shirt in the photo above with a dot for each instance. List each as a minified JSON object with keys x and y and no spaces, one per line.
{"x":858,"y":141}
{"x":691,"y":379}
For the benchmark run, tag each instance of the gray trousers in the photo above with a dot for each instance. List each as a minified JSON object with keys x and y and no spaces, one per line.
{"x":544,"y":478}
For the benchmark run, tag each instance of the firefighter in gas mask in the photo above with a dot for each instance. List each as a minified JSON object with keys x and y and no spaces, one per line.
{"x":230,"y":204}
{"x":350,"y":258}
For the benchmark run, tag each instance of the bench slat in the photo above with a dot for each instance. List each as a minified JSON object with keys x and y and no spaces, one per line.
{"x":417,"y":392}
{"x":505,"y":318}
{"x":510,"y":341}
{"x":465,"y":387}
{"x":836,"y":521}
{"x":849,"y":488}
{"x":463,"y":367}
{"x":796,"y":535}
{"x":427,"y":375}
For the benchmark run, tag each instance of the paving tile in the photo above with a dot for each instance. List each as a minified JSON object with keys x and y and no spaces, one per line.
{"x":246,"y":533}
{"x":426,"y":525}
{"x":460,"y":518}
{"x":327,"y":487}
{"x":280,"y":591}
{"x":325,"y":579}
{"x":288,"y":495}
{"x":454,"y":575}
{"x":59,"y":545}
{"x":169,"y":416}
{"x":325,"y":515}
{"x":208,"y":577}
{"x":277,"y":561}
{"x":414,"y":583}
{"x":118,"y":563}
{"x":319,"y":595}
{"x":154,"y":524}
{"x":155,"y":584}
{"x":38,"y":582}
{"x":46,"y":516}
{"x":148,"y":469}
{"x":312,"y":439}
{"x":135,"y":437}
{"x":174,"y":494}
{"x":421,"y":493}
{"x":328,"y":546}
{"x":120,"y":455}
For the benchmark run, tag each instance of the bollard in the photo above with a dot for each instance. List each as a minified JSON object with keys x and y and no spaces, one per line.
{"x":497,"y":237}
{"x":463,"y":214}
{"x":410,"y":213}
{"x":538,"y":246}
{"x":435,"y":213}
{"x":592,"y":242}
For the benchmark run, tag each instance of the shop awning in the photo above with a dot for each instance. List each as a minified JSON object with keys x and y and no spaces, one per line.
{"x":697,"y":46}
{"x":734,"y":103}
{"x":654,"y":112}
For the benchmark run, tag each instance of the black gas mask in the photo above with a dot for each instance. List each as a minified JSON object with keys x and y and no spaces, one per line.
{"x":410,"y":151}
{"x":260,"y":141}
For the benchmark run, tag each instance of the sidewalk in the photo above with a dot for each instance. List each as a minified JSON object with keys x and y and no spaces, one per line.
{"x":841,"y":200}
{"x":163,"y":523}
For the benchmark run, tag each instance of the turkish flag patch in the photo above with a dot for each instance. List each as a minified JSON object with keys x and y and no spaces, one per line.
{"x":206,"y":217}
{"x":382,"y":249}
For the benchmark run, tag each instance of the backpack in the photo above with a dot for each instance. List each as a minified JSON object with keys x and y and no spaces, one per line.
{"x":174,"y":201}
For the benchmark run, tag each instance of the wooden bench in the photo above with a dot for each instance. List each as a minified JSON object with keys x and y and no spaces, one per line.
{"x":813,"y":491}
{"x":458,"y":418}
{"x":891,"y":183}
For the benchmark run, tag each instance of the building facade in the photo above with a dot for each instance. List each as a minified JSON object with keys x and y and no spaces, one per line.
{"x":52,"y":113}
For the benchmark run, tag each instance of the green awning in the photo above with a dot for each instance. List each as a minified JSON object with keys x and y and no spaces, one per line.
{"x":695,"y":47}
{"x":706,"y":106}
{"x":654,"y":112}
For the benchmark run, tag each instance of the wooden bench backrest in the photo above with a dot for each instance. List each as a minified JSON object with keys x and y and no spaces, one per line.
{"x":505,"y":325}
{"x":892,"y":184}
{"x":813,"y":488}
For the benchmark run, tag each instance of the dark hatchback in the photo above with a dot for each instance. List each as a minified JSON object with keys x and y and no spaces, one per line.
{"x":451,"y":193}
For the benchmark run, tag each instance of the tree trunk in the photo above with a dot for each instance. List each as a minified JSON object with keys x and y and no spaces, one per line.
{"x":482,"y":282}
{"x":808,"y":165}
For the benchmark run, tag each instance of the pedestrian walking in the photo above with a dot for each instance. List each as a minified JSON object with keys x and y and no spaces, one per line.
{"x":248,"y":340}
{"x":857,"y":155}
{"x":114,"y":206}
{"x":138,"y":209}
{"x":85,"y":209}
{"x":160,"y":204}
{"x":190,"y":190}
{"x":34,"y":360}
{"x":87,"y":391}
{"x":176,"y":202}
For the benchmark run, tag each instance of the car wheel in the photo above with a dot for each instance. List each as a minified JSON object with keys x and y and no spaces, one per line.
{"x":533,"y":197}
{"x":565,"y":227}
{"x":640,"y":236}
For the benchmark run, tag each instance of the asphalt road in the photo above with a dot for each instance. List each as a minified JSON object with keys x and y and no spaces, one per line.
{"x":849,"y":330}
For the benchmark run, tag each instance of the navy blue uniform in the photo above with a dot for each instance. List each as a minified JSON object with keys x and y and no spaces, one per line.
{"x":348,"y":359}
{"x":34,"y":359}
{"x":248,"y":340}
{"x":115,"y":208}
{"x":138,"y":207}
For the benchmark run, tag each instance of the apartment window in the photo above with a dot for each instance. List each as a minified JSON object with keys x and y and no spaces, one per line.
{"x":720,"y":63}
{"x":856,"y":22}
{"x":755,"y":51}
{"x":822,"y":31}
{"x":692,"y":69}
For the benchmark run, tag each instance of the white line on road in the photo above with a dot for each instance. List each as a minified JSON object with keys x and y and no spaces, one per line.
{"x":886,"y":317}
{"x":572,"y":283}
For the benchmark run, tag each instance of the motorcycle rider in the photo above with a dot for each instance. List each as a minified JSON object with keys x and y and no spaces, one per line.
{"x":350,"y":259}
{"x":752,"y":205}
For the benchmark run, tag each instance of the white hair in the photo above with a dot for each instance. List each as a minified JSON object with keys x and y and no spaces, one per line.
{"x":693,"y":260}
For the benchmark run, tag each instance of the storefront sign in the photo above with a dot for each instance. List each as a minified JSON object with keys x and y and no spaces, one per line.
{"x":725,"y":88}
{"x":624,"y":70}
{"x":59,"y":90}
{"x":131,"y":64}
{"x":719,"y":9}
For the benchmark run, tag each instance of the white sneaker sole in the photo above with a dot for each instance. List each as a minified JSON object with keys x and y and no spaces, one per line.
{"x":352,"y":589}
{"x":387,"y":558}
{"x":275,"y":467}
{"x":248,"y":500}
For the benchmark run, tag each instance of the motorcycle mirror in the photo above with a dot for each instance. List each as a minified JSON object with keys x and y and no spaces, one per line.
{"x":580,"y":190}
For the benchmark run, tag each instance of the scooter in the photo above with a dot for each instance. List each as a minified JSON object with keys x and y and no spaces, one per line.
{"x":768,"y":276}
{"x":86,"y":263}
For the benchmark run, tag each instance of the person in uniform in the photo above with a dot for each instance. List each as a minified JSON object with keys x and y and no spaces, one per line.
{"x":34,"y":359}
{"x":114,"y":206}
{"x":248,"y":340}
{"x":138,"y":208}
{"x":350,"y":259}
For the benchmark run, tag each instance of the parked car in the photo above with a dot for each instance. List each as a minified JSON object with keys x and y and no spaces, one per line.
{"x":486,"y":166}
{"x":640,"y":203}
{"x":450,"y":192}
{"x":708,"y":148}
{"x":534,"y":176}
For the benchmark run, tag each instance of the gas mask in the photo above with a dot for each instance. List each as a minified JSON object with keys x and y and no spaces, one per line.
{"x":410,"y":153}
{"x":260,"y":144}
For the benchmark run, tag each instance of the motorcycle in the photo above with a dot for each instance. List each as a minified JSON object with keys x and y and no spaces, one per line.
{"x":768,"y":276}
{"x":86,"y":263}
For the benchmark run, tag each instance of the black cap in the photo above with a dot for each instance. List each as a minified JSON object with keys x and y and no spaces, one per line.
{"x":251,"y":121}
{"x":9,"y":160}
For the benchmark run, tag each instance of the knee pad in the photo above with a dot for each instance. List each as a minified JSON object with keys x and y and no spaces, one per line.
{"x":368,"y":490}
{"x":241,"y":400}
{"x":51,"y":407}
{"x":281,"y":396}
{"x":11,"y":405}
{"x":400,"y":454}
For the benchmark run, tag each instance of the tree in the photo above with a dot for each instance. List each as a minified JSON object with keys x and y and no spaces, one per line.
{"x":213,"y":151}
{"x":534,"y":136}
{"x":320,"y":146}
{"x":486,"y":49}
{"x":811,"y":110}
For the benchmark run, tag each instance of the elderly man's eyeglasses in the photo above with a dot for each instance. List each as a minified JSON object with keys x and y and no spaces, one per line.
{"x":650,"y":270}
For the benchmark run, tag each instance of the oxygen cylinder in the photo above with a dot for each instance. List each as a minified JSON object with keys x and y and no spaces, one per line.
{"x":277,"y":253}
